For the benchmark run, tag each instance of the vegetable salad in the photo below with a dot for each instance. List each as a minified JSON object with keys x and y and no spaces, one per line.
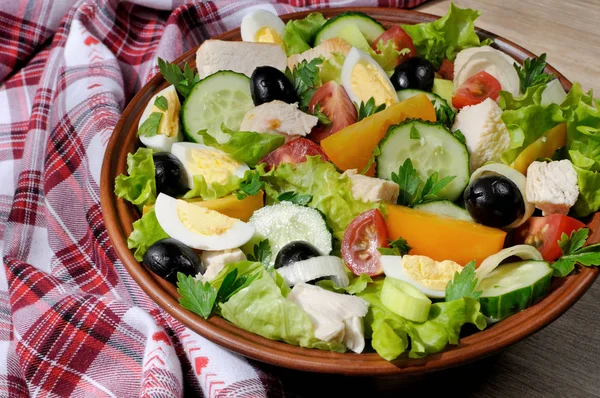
{"x":337,"y":185}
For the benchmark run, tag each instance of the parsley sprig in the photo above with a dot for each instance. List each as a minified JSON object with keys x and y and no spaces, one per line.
{"x":532,"y":72}
{"x":295,"y":198}
{"x":323,"y":118}
{"x":367,"y":109}
{"x":261,"y":253}
{"x":250,"y":185}
{"x":305,"y":79}
{"x":183,"y":80}
{"x":575,"y":252}
{"x":411,"y":192}
{"x":463,"y":284}
{"x":398,"y":247}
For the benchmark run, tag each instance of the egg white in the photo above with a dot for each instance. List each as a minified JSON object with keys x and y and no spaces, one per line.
{"x":355,"y":56}
{"x":166,"y":214}
{"x":183,"y":150}
{"x":393,"y":267}
{"x":258,"y":19}
{"x":160,"y":142}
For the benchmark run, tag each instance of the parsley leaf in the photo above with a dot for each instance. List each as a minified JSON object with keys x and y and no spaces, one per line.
{"x":196,"y":296}
{"x":323,"y":118}
{"x":261,"y":253}
{"x":182,"y":80}
{"x":150,"y":126}
{"x":463,"y":284}
{"x":409,"y":181}
{"x":376,"y":152}
{"x":295,"y":197}
{"x":250,"y":185}
{"x":414,"y":133}
{"x":398,"y":247}
{"x":460,"y":136}
{"x":444,"y":114}
{"x":368,"y":109}
{"x":532,"y":72}
{"x":432,"y":188}
{"x":305,"y":79}
{"x":574,"y":252}
{"x":161,"y":103}
{"x":232,"y":284}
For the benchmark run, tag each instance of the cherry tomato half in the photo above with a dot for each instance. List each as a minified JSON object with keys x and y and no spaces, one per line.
{"x":364,"y":235}
{"x":545,"y":232}
{"x":334,"y":102}
{"x":446,"y":70}
{"x":293,"y":152}
{"x":476,"y":89}
{"x":401,"y":41}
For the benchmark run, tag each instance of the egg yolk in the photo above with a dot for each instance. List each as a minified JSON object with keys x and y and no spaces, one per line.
{"x":267,"y":35}
{"x":428,"y":272}
{"x":367,"y":82}
{"x":201,"y":220}
{"x":214,"y":166}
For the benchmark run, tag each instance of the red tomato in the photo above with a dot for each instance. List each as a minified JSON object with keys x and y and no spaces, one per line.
{"x":476,"y":89}
{"x":545,"y":232}
{"x":334,"y":102}
{"x":401,"y":41}
{"x":363,"y":236}
{"x":594,"y":226}
{"x":293,"y":152}
{"x":446,"y":70}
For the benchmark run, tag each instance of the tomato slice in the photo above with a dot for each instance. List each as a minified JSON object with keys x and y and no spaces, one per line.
{"x":293,"y":152}
{"x":364,"y":235}
{"x":446,"y":70}
{"x":334,"y":102}
{"x":545,"y":232}
{"x":476,"y":89}
{"x":401,"y":41}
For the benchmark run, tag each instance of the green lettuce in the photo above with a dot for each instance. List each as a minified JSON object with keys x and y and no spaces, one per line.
{"x":245,"y":146}
{"x":212,"y":191}
{"x":139,"y":187}
{"x":299,"y":34}
{"x":387,"y":55}
{"x":262,"y":308}
{"x":331,"y":192}
{"x":331,"y":69}
{"x":390,"y":334}
{"x":447,"y":36}
{"x":533,"y":96}
{"x":357,"y":284}
{"x":145,"y":232}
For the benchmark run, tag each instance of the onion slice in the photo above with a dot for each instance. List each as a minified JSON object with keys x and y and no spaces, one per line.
{"x":315,"y":268}
{"x":519,"y":179}
{"x":405,"y":300}
{"x":525,"y":252}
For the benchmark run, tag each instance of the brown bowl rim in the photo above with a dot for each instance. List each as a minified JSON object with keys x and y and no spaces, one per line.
{"x":119,"y":216}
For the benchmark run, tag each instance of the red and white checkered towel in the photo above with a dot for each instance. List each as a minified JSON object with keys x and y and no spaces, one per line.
{"x":72,"y":321}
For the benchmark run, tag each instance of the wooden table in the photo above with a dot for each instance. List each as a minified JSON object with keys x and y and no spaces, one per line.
{"x":563,"y":360}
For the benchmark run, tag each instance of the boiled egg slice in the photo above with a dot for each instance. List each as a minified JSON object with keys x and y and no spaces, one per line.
{"x":199,"y":227}
{"x":363,"y":78}
{"x":262,"y":26}
{"x":424,"y":273}
{"x":169,"y":131}
{"x":214,"y":165}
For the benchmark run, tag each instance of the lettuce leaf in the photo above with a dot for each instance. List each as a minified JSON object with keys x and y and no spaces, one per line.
{"x":262,"y":308}
{"x":387,"y":55}
{"x":331,"y":192}
{"x":139,"y":186}
{"x":331,"y":69}
{"x":533,"y":96}
{"x":212,"y":191}
{"x":299,"y":34}
{"x":447,"y":36}
{"x":145,"y":232}
{"x":391,"y":334}
{"x":245,"y":146}
{"x":357,"y":284}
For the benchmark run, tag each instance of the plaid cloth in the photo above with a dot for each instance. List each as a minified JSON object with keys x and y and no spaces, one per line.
{"x":72,"y":321}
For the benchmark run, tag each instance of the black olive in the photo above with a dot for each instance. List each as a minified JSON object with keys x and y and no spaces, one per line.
{"x":416,"y":73}
{"x":295,"y":251}
{"x":169,"y":256}
{"x":494,"y":200}
{"x":170,"y":175}
{"x":269,"y":84}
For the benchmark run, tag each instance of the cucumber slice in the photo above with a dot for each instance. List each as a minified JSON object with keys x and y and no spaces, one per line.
{"x":443,"y":88}
{"x":443,"y":112}
{"x":369,"y":27}
{"x":513,"y":287}
{"x":286,"y":222}
{"x":445,"y":208}
{"x":405,"y":300}
{"x":435,"y":149}
{"x":221,"y":98}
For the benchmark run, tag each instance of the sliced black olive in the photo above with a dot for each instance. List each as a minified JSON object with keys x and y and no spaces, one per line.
{"x":494,"y":200}
{"x":170,"y":175}
{"x":169,"y":256}
{"x":416,"y":73}
{"x":295,"y":251}
{"x":269,"y":84}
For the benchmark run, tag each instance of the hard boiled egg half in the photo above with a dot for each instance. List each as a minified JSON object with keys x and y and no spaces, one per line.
{"x":262,"y":26}
{"x":363,"y":78}
{"x":169,"y":131}
{"x":199,"y":227}
{"x":424,"y":273}
{"x":214,"y":165}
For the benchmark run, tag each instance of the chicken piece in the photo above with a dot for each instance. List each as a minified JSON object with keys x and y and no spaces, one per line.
{"x":371,"y":189}
{"x":324,"y":51}
{"x":216,"y":260}
{"x":278,"y":117}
